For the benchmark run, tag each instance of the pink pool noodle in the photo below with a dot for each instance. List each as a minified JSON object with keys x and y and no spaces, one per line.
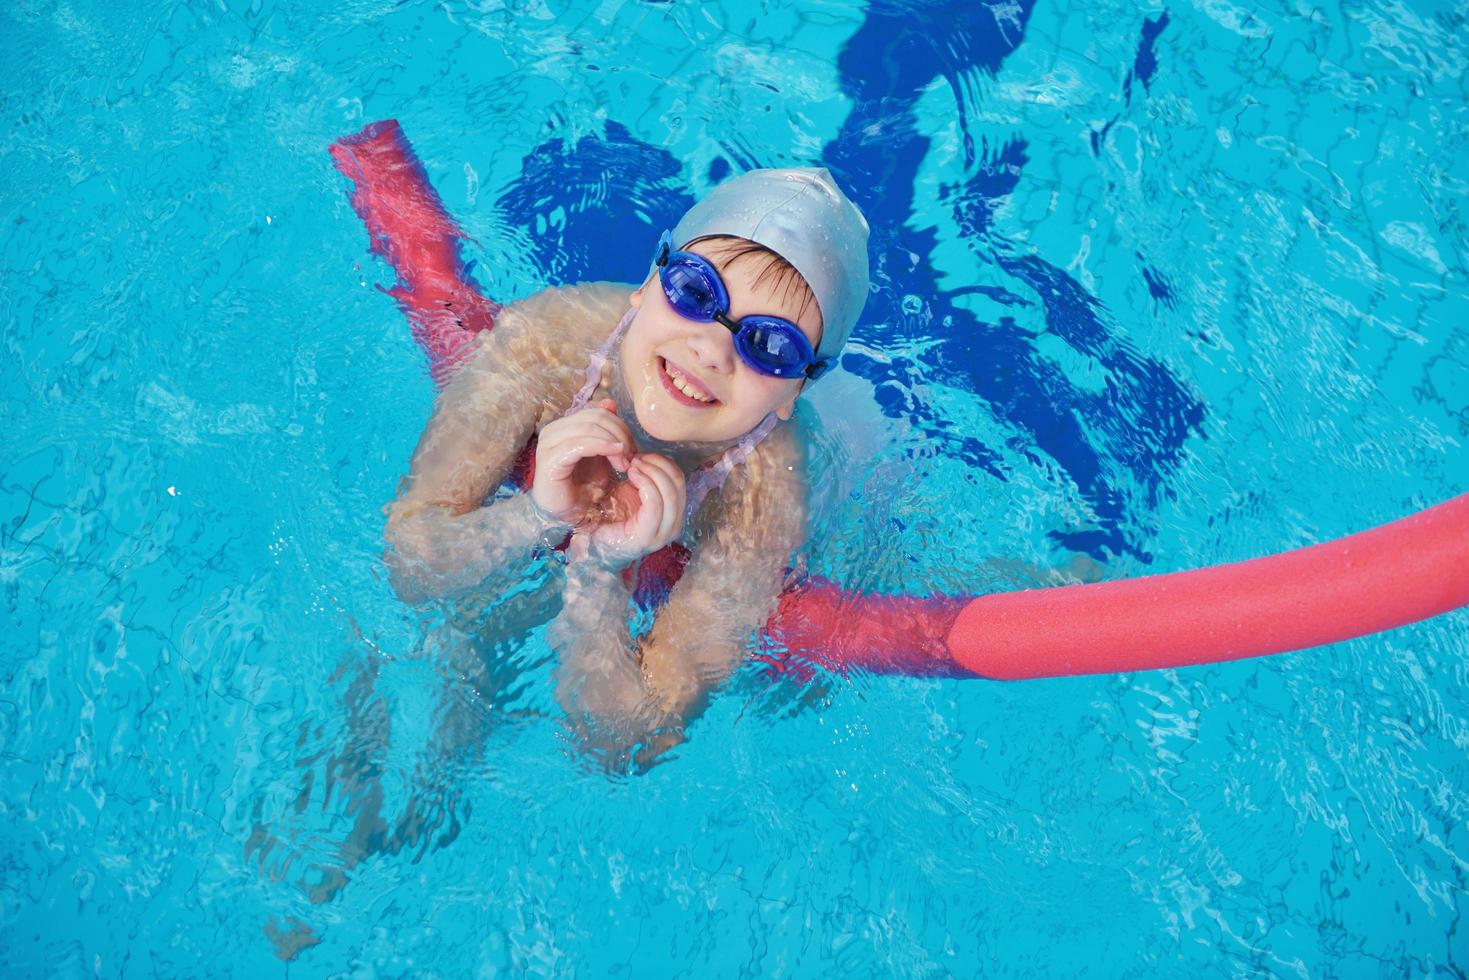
{"x":1375,"y":580}
{"x":407,"y":225}
{"x":1379,"y":579}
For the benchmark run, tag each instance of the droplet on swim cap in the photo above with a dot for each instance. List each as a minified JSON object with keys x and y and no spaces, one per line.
{"x":800,"y":214}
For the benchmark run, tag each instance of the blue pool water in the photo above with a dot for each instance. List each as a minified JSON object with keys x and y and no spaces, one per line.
{"x":1163,"y":286}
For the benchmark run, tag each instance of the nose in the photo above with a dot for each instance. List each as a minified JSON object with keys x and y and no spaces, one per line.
{"x":713,"y":348}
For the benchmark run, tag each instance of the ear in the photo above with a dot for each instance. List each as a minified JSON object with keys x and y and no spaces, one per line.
{"x":636,"y":299}
{"x":785,"y":411}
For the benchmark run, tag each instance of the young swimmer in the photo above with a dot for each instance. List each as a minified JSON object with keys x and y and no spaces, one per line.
{"x":683,"y":384}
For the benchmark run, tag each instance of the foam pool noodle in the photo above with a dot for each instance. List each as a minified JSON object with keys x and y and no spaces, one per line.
{"x":1375,"y":580}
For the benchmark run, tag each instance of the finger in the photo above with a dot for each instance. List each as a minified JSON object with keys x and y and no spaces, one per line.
{"x":666,"y":466}
{"x":564,"y":456}
{"x":604,"y":411}
{"x":670,"y":477}
{"x":673,"y":515}
{"x":591,"y":443}
{"x":592,"y":420}
{"x":645,"y":523}
{"x":610,"y":427}
{"x":616,"y":449}
{"x":560,"y":461}
{"x":584,"y":426}
{"x":671,"y":493}
{"x":616,"y":454}
{"x":637,"y":475}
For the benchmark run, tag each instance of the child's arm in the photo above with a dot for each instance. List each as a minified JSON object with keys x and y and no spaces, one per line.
{"x":729,"y":590}
{"x":443,"y":536}
{"x":441,"y":540}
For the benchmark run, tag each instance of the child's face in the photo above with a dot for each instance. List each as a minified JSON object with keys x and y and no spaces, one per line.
{"x":663,"y":353}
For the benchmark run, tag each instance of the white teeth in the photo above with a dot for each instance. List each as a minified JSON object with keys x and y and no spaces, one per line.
{"x":685,"y":387}
{"x":688,"y":389}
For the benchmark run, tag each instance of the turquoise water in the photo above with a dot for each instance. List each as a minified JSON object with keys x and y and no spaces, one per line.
{"x":1160,"y":287}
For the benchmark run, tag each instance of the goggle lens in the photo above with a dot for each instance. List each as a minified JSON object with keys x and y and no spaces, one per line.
{"x":767,"y":344}
{"x":690,"y":291}
{"x":772,"y":346}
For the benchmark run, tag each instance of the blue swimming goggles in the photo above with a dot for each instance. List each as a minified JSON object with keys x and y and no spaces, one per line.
{"x":768,"y":344}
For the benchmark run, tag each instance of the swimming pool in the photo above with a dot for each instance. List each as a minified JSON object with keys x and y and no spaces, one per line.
{"x":1166,"y":287}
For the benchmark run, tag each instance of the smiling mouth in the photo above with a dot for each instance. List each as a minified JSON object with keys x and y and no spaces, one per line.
{"x":684,"y":389}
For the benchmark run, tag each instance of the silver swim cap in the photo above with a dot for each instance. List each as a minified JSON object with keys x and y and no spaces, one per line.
{"x":800,"y":214}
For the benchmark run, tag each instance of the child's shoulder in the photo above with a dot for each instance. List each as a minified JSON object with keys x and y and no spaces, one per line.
{"x":783,"y":451}
{"x":772,"y":481}
{"x":545,"y":339}
{"x":575,"y":317}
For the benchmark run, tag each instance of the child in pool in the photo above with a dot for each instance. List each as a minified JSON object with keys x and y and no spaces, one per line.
{"x":682,"y":384}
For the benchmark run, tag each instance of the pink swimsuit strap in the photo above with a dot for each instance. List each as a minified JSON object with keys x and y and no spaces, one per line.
{"x":710,"y":475}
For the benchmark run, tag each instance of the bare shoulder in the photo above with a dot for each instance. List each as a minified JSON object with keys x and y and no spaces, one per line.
{"x":763,"y":503}
{"x":564,"y":319}
{"x":540,"y":344}
{"x":782,"y":452}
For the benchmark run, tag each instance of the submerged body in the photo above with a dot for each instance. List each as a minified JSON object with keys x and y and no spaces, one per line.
{"x":448,"y":533}
{"x":658,"y":413}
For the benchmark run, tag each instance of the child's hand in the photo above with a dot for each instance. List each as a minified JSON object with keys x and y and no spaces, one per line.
{"x":575,"y":457}
{"x":639,"y":525}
